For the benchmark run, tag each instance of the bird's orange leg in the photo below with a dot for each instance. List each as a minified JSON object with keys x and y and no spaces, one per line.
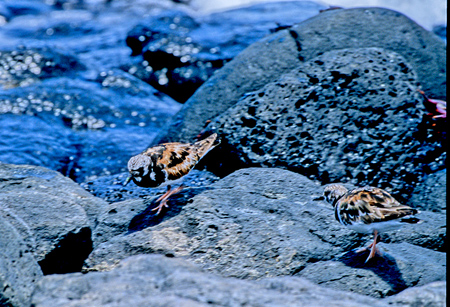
{"x":163,"y":198}
{"x":372,"y":246}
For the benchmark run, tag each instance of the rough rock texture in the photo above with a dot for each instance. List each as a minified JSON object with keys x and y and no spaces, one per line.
{"x":433,"y":294}
{"x":53,"y":215}
{"x":431,"y":194}
{"x":155,"y":280}
{"x":399,"y":268}
{"x":67,"y":104}
{"x":266,"y":60}
{"x":258,"y":223}
{"x":18,"y":268}
{"x":132,"y":206}
{"x":350,"y":115}
{"x":378,"y":27}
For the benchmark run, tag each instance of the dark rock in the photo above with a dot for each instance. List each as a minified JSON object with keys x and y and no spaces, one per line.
{"x":155,"y":280}
{"x":252,"y":224}
{"x":267,"y":60}
{"x":433,"y":295}
{"x":374,"y":28}
{"x":350,"y":115}
{"x":431,"y":193}
{"x":401,"y":266}
{"x":19,"y":270}
{"x":181,"y":52}
{"x":53,"y":215}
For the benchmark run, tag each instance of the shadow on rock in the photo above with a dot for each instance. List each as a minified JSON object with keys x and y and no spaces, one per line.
{"x":385,"y":266}
{"x":69,"y":254}
{"x":148,"y":217}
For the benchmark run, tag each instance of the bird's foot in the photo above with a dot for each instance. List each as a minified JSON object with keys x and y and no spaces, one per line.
{"x":163,"y":198}
{"x":161,"y":205}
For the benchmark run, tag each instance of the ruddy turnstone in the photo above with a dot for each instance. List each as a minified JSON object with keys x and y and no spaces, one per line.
{"x":436,"y":108}
{"x":165,"y":163}
{"x":368,"y":210}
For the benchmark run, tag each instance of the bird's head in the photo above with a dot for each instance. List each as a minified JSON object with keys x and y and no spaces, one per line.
{"x":333,"y":192}
{"x":139,"y":166}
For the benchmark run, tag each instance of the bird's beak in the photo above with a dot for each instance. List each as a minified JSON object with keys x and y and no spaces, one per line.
{"x":127,"y":181}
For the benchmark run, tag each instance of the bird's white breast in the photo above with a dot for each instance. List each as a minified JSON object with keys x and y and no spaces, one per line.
{"x":379,"y":226}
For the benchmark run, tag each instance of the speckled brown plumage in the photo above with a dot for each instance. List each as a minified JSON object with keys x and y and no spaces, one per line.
{"x":165,"y":163}
{"x":368,"y":210}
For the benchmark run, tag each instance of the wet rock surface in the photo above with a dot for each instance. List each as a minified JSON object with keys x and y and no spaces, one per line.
{"x":62,"y":95}
{"x":180,"y":51}
{"x":95,"y":126}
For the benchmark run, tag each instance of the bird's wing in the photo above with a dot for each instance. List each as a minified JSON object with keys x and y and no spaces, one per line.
{"x":368,"y":205}
{"x":176,"y":159}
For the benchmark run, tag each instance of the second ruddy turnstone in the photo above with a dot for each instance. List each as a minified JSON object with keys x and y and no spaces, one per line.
{"x":165,"y":163}
{"x":368,"y":210}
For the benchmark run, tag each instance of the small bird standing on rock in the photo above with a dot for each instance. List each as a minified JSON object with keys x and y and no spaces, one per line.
{"x":165,"y":163}
{"x":368,"y":210}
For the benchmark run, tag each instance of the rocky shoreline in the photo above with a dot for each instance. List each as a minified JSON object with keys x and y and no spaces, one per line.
{"x":301,"y":96}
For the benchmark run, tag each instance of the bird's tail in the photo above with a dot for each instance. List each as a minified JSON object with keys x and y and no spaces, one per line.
{"x":205,"y":145}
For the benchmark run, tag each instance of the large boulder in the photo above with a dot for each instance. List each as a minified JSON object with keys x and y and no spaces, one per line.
{"x":350,"y":115}
{"x":52,"y":214}
{"x":268,"y":59}
{"x":155,"y":280}
{"x":261,"y":222}
{"x":130,"y":207}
